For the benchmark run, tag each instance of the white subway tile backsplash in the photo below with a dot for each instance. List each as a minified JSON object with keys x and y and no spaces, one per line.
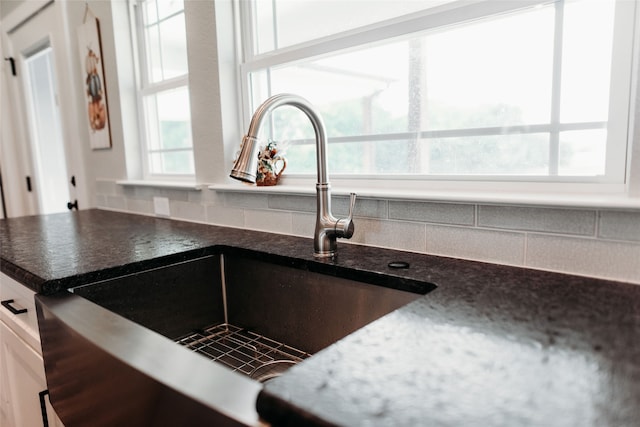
{"x":369,"y":208}
{"x":564,"y":221}
{"x":116,"y":202}
{"x":500,"y":247}
{"x":222,"y":215}
{"x":339,"y":205}
{"x":408,"y":236}
{"x":620,"y":225}
{"x":140,"y":206}
{"x":303,"y":224}
{"x":144,"y":193}
{"x":205,"y":197}
{"x":170,"y":193}
{"x":106,"y":187}
{"x":295,"y":203}
{"x":268,"y":220}
{"x":246,"y":200}
{"x":130,"y":193}
{"x":588,"y":257}
{"x":440,"y":213}
{"x":187,"y":211}
{"x":603,"y":244}
{"x":101,"y":201}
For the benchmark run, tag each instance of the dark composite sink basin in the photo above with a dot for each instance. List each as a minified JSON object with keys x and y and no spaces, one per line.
{"x":111,"y":347}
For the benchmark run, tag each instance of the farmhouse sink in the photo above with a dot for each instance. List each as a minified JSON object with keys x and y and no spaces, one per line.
{"x":190,"y":342}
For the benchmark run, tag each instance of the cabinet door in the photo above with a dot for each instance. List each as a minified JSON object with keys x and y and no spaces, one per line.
{"x":24,"y":324}
{"x":23,"y":379}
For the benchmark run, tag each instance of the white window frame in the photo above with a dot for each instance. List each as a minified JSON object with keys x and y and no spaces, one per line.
{"x":616,"y":178}
{"x":145,"y":88}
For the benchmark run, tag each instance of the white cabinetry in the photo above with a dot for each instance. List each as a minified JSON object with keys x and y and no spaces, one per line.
{"x":22,"y":379}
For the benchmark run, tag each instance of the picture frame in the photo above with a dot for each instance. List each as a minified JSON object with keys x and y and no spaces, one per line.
{"x":93,"y":82}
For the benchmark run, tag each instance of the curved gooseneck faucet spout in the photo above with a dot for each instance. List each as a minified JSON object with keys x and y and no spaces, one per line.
{"x":328,"y":228}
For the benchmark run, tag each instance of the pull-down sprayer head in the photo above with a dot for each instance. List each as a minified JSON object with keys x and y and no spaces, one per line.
{"x":247,"y":162}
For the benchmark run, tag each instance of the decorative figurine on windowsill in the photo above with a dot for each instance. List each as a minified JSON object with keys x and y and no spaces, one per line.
{"x":271,"y":164}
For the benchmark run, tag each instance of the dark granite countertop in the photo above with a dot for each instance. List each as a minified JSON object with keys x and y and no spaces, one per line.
{"x":492,"y":345}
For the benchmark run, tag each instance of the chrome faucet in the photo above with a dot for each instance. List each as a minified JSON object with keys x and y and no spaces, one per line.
{"x":328,"y":228}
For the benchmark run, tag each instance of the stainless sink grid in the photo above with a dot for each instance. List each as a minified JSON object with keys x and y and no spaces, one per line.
{"x":240,"y":349}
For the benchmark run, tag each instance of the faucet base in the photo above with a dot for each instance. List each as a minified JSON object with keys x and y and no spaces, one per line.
{"x":323,"y":255}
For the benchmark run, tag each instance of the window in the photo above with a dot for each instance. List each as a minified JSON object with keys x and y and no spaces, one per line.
{"x":167,"y":148}
{"x":526,"y":90}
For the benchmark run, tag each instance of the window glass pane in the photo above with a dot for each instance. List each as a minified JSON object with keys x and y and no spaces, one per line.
{"x":165,"y":39}
{"x":297,"y":21}
{"x":289,"y":124}
{"x":583,"y":152}
{"x":151,"y":123}
{"x":517,"y":154}
{"x":154,"y":57}
{"x":169,"y":7}
{"x":586,"y":62}
{"x":168,"y":130}
{"x":420,"y":85}
{"x":150,"y":12}
{"x":174,"y":118}
{"x":352,"y":87}
{"x":476,"y":76}
{"x":264,"y":39}
{"x":260,"y":87}
{"x":173,"y":162}
{"x":174,"y":46}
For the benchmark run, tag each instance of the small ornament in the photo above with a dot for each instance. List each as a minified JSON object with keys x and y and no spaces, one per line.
{"x":271,"y":164}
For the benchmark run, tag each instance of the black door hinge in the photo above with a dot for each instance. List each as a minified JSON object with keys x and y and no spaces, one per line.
{"x":13,"y":65}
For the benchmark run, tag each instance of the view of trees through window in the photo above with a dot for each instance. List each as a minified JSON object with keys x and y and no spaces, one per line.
{"x":493,"y":96}
{"x":515,"y":153}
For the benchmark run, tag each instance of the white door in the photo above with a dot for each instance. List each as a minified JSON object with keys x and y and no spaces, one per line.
{"x":42,"y":141}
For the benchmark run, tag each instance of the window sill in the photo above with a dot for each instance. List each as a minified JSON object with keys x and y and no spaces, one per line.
{"x":177,"y":185}
{"x":613,"y":200}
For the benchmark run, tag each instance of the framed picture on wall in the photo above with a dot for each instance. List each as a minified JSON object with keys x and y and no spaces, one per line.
{"x":93,"y":83}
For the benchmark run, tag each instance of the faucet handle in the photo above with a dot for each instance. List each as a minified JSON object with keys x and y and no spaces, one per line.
{"x":352,"y":206}
{"x":344,"y":227}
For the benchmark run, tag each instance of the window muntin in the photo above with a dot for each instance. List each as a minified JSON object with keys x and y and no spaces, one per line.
{"x":164,"y":91}
{"x":419,"y":103}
